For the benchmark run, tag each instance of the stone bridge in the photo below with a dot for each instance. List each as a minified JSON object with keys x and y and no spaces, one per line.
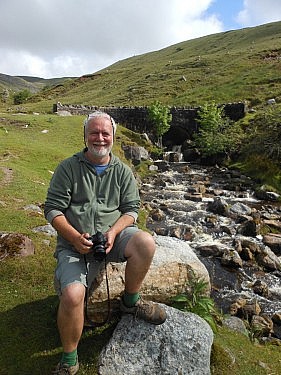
{"x":182,"y":127}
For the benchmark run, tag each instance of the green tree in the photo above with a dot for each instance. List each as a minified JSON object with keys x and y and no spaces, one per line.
{"x":161,"y":118}
{"x":216,"y":134}
{"x":21,"y":96}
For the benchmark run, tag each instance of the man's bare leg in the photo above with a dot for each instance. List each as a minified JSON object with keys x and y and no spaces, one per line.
{"x":139,"y":252}
{"x":71,"y":316}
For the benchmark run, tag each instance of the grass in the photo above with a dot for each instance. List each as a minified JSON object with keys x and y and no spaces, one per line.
{"x":233,"y":353}
{"x":29,"y":339}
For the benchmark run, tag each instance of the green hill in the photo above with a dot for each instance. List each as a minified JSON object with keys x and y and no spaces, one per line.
{"x":225,"y":67}
{"x":33,"y":84}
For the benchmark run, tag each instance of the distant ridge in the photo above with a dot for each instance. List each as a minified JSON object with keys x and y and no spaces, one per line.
{"x":33,"y":84}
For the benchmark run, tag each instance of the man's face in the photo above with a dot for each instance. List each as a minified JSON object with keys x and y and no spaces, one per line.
{"x":99,"y":136}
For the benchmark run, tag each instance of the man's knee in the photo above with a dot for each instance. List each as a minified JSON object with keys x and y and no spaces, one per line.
{"x":142,"y":243}
{"x":73,"y":295}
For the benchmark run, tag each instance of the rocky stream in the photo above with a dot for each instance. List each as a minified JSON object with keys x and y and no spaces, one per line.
{"x":234,"y":231}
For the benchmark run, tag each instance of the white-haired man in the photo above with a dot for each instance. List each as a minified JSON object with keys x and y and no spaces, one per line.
{"x":93,"y":191}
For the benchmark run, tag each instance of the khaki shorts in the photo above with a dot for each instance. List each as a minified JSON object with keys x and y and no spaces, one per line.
{"x":73,"y":267}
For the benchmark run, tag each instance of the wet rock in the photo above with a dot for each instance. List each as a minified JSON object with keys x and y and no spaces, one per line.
{"x":195,"y":197}
{"x":268,"y":259}
{"x":248,"y":228}
{"x":245,"y":308}
{"x":174,"y":157}
{"x":247,"y":243}
{"x":266,"y":195}
{"x":275,"y":224}
{"x":176,"y":232}
{"x":273,"y":241}
{"x":240,"y":209}
{"x":218,"y":206}
{"x":213,"y":249}
{"x":231,"y":258}
{"x":276,"y":318}
{"x":237,"y":305}
{"x":157,"y":214}
{"x":261,"y":288}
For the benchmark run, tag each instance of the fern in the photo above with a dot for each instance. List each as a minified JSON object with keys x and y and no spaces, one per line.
{"x":196,"y":301}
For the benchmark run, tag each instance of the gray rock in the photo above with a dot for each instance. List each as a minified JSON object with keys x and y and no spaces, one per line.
{"x":240,"y":209}
{"x":45,"y":229}
{"x":182,"y":345}
{"x":235,"y":324}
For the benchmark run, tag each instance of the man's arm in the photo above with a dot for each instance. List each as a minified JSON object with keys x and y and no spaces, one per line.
{"x":70,"y":234}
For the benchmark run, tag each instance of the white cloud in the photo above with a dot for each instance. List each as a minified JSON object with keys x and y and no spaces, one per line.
{"x":257,"y":12}
{"x":23,"y":63}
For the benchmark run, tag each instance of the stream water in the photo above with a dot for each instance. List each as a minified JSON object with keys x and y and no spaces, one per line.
{"x":178,"y":196}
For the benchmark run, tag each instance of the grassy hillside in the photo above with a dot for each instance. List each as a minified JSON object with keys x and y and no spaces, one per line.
{"x":225,"y":67}
{"x":33,"y":84}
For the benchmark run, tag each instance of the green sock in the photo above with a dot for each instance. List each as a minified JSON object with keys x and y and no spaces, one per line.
{"x":130,"y":299}
{"x":69,"y":358}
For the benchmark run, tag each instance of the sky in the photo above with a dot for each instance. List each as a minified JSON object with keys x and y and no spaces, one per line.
{"x":70,"y":38}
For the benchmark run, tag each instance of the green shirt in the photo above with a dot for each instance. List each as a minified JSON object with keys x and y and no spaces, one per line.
{"x":89,"y":201}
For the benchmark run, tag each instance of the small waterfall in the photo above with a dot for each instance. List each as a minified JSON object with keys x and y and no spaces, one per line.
{"x":174,"y":156}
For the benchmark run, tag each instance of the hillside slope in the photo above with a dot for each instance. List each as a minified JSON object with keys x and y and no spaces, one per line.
{"x":33,"y":84}
{"x":225,"y":67}
{"x":236,"y":65}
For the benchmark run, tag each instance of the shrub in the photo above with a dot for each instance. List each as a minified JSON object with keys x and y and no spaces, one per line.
{"x":216,"y":134}
{"x":21,"y":96}
{"x":264,"y":134}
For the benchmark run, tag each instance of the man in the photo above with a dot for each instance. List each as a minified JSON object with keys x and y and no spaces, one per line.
{"x":89,"y":192}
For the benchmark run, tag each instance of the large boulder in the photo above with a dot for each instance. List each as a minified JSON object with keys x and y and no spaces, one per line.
{"x":182,"y":345}
{"x":174,"y":264}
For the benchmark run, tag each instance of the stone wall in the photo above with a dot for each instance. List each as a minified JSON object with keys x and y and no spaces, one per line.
{"x":136,"y":118}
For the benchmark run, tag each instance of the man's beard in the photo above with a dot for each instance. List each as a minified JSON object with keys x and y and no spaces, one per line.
{"x":100,"y":152}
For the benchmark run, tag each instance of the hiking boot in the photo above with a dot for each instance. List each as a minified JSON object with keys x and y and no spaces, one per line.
{"x":64,"y":369}
{"x":146,"y":310}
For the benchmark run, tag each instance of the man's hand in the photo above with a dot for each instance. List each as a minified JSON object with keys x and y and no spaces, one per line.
{"x":82,"y":244}
{"x":80,"y":241}
{"x":110,"y":236}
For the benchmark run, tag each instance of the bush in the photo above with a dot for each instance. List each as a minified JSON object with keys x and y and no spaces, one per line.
{"x":216,"y":134}
{"x":21,"y":96}
{"x":264,"y":134}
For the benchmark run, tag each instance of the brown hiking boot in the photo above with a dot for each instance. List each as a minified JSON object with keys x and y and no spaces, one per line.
{"x":64,"y":369}
{"x":146,"y":310}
